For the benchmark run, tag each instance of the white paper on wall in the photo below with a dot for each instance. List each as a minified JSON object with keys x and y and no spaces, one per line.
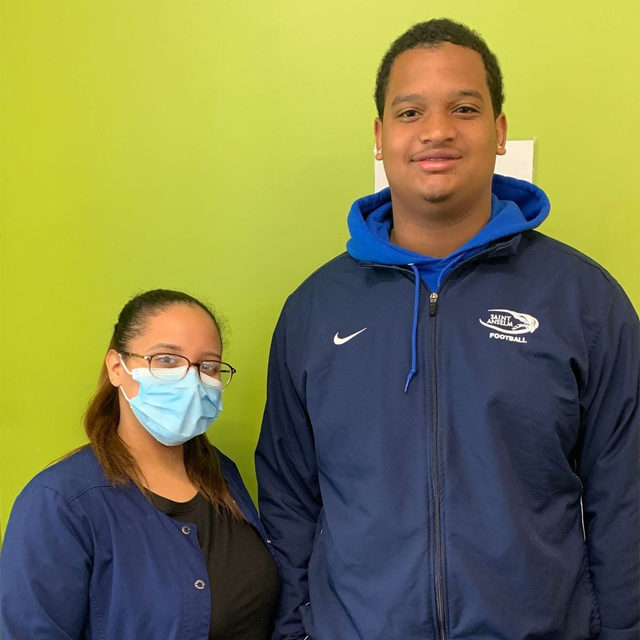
{"x":516,"y":163}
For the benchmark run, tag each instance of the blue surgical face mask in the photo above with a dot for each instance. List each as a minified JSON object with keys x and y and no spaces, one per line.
{"x":174,"y":411}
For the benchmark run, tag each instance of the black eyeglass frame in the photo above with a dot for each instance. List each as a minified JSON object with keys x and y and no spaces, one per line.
{"x":232,"y":369}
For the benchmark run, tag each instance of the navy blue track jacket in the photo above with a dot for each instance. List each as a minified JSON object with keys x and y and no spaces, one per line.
{"x":453,"y":510}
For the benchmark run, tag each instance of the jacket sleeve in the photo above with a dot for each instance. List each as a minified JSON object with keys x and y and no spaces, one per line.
{"x":288,"y":490}
{"x":45,"y":568}
{"x":608,"y":466}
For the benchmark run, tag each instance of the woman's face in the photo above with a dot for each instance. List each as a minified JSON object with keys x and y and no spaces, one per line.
{"x":182,"y":329}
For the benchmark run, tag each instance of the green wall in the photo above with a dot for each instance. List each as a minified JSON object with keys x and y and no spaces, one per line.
{"x":215,"y":147}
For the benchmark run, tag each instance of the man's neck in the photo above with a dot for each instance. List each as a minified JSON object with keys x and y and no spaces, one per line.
{"x":437,"y":230}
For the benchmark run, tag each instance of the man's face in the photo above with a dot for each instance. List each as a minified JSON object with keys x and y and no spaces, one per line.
{"x":439,"y":137}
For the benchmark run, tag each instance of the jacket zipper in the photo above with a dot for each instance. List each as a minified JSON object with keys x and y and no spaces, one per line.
{"x":433,"y":304}
{"x":435,"y":466}
{"x":435,"y":462}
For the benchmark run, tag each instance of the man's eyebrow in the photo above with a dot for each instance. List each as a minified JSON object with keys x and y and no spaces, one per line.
{"x":454,"y":95}
{"x":467,"y":93}
{"x":410,"y":97}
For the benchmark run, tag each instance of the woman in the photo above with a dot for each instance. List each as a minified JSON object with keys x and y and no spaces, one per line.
{"x":148,"y":532}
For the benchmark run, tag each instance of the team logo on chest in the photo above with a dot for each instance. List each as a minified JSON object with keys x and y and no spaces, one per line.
{"x":509,"y":325}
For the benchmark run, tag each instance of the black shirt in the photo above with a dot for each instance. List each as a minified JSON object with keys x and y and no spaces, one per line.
{"x":243,"y":575}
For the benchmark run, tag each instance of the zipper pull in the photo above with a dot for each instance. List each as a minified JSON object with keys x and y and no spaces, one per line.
{"x":433,"y":304}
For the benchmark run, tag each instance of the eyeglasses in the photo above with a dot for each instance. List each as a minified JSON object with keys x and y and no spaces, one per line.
{"x":169,"y":366}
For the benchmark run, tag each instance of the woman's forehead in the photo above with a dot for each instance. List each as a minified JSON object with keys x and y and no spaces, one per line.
{"x":181,"y":325}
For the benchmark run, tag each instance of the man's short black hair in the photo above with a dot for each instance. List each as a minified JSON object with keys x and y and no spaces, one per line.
{"x":432,"y":33}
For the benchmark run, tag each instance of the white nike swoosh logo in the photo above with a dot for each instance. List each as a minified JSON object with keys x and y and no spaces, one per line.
{"x":338,"y":340}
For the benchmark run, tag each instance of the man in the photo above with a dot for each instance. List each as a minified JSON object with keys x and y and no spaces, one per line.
{"x":450,"y":442}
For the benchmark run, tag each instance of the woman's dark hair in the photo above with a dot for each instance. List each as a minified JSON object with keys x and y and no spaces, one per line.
{"x":425,"y":35}
{"x":103,"y":414}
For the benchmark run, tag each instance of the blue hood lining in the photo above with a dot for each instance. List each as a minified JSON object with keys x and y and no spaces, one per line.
{"x":516,"y":206}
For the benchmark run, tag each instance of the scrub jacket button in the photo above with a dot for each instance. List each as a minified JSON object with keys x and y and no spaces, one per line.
{"x":186,"y":530}
{"x":199,"y":584}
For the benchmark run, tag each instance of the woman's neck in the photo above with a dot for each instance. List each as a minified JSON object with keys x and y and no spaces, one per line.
{"x":162,"y":468}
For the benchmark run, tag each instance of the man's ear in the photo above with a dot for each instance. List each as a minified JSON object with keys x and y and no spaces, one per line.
{"x":377,"y":132}
{"x":501,"y":134}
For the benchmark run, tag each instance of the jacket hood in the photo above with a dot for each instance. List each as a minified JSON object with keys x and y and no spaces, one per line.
{"x":516,"y":206}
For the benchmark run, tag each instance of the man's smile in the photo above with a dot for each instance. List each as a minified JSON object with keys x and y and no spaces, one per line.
{"x":437,"y":160}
